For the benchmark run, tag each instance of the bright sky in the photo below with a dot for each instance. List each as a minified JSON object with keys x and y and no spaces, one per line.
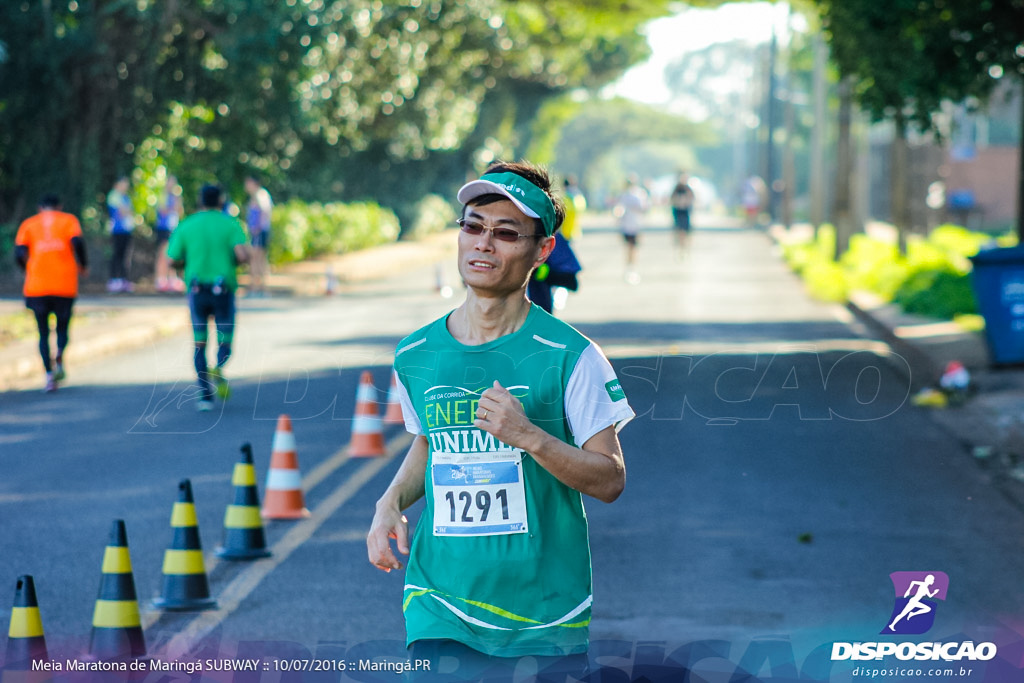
{"x":694,"y":29}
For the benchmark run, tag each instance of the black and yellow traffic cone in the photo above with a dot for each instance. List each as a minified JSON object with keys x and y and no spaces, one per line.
{"x":25,"y":640}
{"x":243,"y":527}
{"x":116,"y":626}
{"x":185,"y":586}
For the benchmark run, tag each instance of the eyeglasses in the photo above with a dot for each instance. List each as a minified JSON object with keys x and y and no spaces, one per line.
{"x":503,"y":234}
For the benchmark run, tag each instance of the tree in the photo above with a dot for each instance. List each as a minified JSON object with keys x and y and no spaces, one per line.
{"x":603,"y":126}
{"x":909,"y":56}
{"x":329,"y":99}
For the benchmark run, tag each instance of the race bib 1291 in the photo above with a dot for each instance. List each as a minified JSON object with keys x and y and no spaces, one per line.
{"x":478,"y":494}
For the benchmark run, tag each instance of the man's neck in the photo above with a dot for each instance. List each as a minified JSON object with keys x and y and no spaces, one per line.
{"x":482,"y":319}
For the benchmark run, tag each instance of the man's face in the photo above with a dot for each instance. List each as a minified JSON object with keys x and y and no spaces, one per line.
{"x":493,"y":266}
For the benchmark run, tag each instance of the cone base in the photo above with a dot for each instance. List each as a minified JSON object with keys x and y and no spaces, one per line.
{"x":194,"y":605}
{"x":116,"y":643}
{"x":242,"y":553}
{"x":21,"y":652}
{"x":284,"y":514}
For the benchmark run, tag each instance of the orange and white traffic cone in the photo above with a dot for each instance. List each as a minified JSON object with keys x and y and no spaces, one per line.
{"x":367,"y":431}
{"x":393,"y":413}
{"x":283,"y":497}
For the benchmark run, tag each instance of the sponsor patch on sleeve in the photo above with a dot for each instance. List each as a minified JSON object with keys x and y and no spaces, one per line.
{"x":614,"y":389}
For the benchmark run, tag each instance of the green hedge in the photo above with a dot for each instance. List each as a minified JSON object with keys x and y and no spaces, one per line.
{"x":306,"y":230}
{"x":431,"y":214}
{"x":932,"y":278}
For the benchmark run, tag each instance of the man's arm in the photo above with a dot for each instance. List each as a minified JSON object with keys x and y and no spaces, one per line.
{"x":175,"y":251}
{"x":241,"y":254}
{"x":388,"y":521}
{"x":21,"y":255}
{"x":78,"y":246}
{"x":597,"y":469}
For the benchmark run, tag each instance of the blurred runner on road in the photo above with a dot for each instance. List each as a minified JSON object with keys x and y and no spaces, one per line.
{"x":210,"y":245}
{"x":50,"y":249}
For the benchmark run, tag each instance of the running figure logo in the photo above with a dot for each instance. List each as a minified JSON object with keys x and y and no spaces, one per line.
{"x":916,"y":595}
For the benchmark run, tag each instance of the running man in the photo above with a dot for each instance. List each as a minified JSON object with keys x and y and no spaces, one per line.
{"x":631,"y":208}
{"x":210,"y":246}
{"x":681,"y":199}
{"x":516,"y":417}
{"x":50,"y":249}
{"x":915,"y":606}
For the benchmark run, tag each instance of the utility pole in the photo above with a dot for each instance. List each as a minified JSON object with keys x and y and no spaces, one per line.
{"x":843,"y":211}
{"x":818,"y":133}
{"x":769,"y":176}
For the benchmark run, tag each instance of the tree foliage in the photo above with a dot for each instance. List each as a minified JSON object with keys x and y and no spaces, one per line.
{"x":328,"y":99}
{"x":909,"y":56}
{"x":604,"y":125}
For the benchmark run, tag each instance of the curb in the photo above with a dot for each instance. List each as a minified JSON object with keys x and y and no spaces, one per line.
{"x":986,"y":426}
{"x":23,"y":369}
{"x":920,"y":366}
{"x":135,"y":326}
{"x":926,"y":344}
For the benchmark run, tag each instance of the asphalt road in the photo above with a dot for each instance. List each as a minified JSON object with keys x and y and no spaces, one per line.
{"x":776,"y":477}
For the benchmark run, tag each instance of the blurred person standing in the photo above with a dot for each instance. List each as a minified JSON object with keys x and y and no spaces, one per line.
{"x":169,"y":211}
{"x":681,"y":200}
{"x":575,"y":205}
{"x":122,"y":225}
{"x":257,"y":220}
{"x":50,"y":249}
{"x":751,"y":195}
{"x":632,"y":205}
{"x":210,"y":246}
{"x":557,"y":274}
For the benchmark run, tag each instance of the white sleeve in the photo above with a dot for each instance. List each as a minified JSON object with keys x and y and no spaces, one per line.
{"x":594,"y":398}
{"x":412,"y":420}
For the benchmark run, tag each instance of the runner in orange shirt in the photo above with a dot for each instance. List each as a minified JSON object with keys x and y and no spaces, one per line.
{"x":50,"y":249}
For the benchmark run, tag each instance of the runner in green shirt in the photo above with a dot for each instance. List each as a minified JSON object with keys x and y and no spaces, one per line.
{"x":516,"y":416}
{"x":210,"y":245}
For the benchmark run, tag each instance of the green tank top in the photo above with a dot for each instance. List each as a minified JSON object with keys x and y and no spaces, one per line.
{"x":500,"y":558}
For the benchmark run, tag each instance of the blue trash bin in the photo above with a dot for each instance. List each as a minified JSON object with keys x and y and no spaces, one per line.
{"x":998,"y":282}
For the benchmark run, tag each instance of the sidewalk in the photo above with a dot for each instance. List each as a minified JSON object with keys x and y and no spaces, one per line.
{"x":107,"y":324}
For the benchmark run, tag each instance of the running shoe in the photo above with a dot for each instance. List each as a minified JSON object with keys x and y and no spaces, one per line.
{"x":58,"y":372}
{"x":204,"y":405}
{"x":51,"y":383}
{"x":220,"y":383}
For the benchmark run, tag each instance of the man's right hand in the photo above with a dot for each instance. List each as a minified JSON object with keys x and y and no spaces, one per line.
{"x":388,"y":523}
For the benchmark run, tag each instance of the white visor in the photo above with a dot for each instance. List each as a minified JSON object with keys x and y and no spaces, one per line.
{"x":478,"y":188}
